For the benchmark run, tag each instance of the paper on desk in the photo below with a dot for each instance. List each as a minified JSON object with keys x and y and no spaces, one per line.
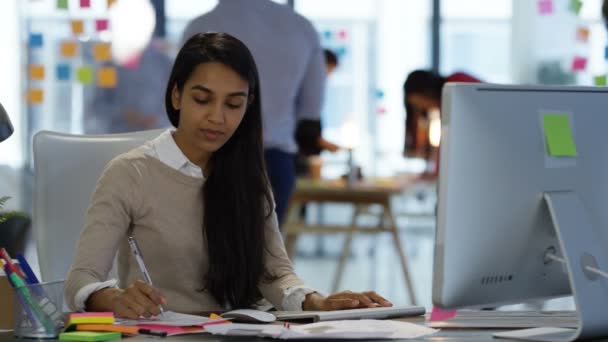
{"x":350,"y":329}
{"x":168,"y":318}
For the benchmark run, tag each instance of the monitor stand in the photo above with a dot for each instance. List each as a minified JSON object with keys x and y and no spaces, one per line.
{"x":581,"y":247}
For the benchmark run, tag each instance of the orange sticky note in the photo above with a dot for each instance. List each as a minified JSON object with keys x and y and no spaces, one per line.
{"x":69,"y":49}
{"x":106,"y":77}
{"x":110,"y":3}
{"x":37,"y":72}
{"x":582,"y":34}
{"x":101,"y":52}
{"x":35,"y":96}
{"x":77,"y":27}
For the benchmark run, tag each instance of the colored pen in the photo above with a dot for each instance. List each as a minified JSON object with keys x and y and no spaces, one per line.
{"x":27,"y":270}
{"x":7,"y":260}
{"x":140,"y":262}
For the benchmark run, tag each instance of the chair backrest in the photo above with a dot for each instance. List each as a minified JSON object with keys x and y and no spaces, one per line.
{"x":66,"y":169}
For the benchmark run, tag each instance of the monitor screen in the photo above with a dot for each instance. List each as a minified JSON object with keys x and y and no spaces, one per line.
{"x":502,"y":149}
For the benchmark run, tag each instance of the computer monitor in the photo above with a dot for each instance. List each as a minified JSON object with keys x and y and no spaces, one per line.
{"x":509,"y":177}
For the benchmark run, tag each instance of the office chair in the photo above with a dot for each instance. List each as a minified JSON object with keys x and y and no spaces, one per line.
{"x":66,"y":169}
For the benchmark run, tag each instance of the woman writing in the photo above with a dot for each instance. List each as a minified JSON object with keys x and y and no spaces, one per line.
{"x":197,"y":200}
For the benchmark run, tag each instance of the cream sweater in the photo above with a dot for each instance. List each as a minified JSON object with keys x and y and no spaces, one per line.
{"x":162,"y":208}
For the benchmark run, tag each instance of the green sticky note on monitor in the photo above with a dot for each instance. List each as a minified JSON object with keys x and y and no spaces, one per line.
{"x":600,"y":80}
{"x":558,"y":135}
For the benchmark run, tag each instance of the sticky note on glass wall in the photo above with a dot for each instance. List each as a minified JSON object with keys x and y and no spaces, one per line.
{"x":35,"y":39}
{"x":575,"y":6}
{"x":101,"y":25}
{"x":582,"y":34}
{"x":102,"y":52}
{"x":36,"y":72}
{"x":77,"y":27}
{"x":579,"y":63}
{"x":63,"y":72}
{"x":35,"y":96}
{"x":107,"y":77}
{"x":558,"y":135}
{"x":69,"y":49}
{"x":85,"y":75}
{"x":85,"y":3}
{"x":110,"y":3}
{"x":545,"y":7}
{"x":600,"y":80}
{"x":62,"y":4}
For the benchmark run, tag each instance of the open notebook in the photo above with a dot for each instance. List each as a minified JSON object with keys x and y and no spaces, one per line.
{"x":366,"y":313}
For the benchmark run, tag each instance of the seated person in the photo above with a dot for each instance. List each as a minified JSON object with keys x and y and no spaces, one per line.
{"x":198,"y":201}
{"x":421,"y":97}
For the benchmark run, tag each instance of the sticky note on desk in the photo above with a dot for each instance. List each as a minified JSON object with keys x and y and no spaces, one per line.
{"x":89,"y":336}
{"x":91,"y":317}
{"x":558,"y":135}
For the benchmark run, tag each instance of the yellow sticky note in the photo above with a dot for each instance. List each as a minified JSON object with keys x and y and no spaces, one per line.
{"x":102,"y":52}
{"x":36,"y":72}
{"x":77,"y":27}
{"x":35,"y":96}
{"x":107,"y":77}
{"x":69,"y":49}
{"x":558,"y":135}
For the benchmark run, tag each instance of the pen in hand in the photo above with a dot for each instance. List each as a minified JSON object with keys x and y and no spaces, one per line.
{"x":142,"y":267}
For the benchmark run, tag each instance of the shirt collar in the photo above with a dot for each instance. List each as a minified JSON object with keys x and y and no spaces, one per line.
{"x":169,"y":153}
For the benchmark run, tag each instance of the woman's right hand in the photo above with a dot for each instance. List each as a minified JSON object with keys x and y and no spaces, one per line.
{"x":138,"y":300}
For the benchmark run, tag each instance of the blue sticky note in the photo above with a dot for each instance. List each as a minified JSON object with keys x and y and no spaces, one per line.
{"x":606,"y":53}
{"x":327,"y":34}
{"x":63,"y":72}
{"x":35,"y":40}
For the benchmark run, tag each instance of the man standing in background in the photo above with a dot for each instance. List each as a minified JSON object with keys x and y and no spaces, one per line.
{"x":289,"y":58}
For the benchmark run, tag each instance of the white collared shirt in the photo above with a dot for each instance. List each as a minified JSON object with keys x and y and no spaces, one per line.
{"x":166,"y":150}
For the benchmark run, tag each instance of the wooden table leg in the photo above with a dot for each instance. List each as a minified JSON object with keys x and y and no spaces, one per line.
{"x":291,"y":233}
{"x":400,"y":249}
{"x":345,"y":250}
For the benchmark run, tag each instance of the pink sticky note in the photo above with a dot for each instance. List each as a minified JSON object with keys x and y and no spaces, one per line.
{"x":579,"y":63}
{"x":85,"y":3}
{"x":545,"y":7}
{"x":101,"y":25}
{"x":438,"y":314}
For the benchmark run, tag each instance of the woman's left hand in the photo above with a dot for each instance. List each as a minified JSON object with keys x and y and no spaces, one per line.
{"x":345,"y":300}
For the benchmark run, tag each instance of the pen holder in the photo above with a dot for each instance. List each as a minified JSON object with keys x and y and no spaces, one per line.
{"x":38,"y":310}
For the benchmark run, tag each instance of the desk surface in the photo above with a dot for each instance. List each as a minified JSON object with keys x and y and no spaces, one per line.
{"x":453,"y":335}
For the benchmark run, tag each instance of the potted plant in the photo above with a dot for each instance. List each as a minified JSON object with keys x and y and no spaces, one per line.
{"x":13,"y":228}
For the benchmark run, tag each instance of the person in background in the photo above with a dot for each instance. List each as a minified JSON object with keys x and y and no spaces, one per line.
{"x":288,"y":52}
{"x":142,"y":69}
{"x":422,"y":99}
{"x":308,"y":132}
{"x":198,"y":201}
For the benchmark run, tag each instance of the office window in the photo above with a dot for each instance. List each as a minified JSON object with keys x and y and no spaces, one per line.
{"x":386,"y":40}
{"x":476,"y":38}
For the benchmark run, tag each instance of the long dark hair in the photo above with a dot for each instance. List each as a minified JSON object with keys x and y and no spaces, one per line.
{"x":236,"y":196}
